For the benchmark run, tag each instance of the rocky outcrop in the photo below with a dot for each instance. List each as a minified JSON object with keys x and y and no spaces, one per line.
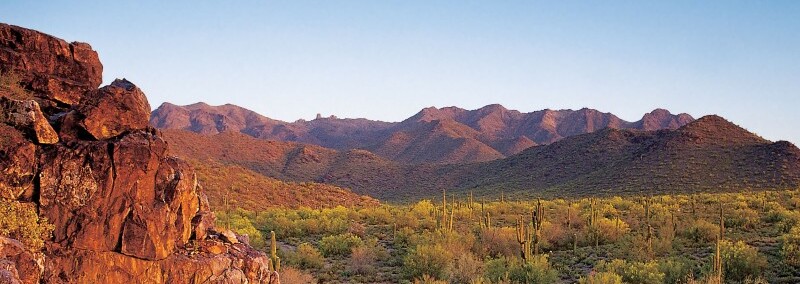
{"x":114,"y":109}
{"x":124,"y":210}
{"x":55,"y":70}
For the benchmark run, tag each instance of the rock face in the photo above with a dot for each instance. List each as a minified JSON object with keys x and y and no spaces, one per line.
{"x":17,"y":265}
{"x":123,"y":209}
{"x":55,"y":70}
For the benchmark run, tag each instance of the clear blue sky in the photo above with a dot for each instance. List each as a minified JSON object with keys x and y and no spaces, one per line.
{"x":388,"y":59}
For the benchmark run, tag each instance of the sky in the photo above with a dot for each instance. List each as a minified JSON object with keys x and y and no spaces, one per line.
{"x":386,"y":60}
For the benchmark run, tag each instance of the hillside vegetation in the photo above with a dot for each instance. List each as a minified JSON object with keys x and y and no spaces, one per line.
{"x":243,"y":188}
{"x":750,"y":237}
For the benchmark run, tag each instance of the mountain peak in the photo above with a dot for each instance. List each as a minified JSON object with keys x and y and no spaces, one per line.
{"x":663,"y":119}
{"x":718,"y":130}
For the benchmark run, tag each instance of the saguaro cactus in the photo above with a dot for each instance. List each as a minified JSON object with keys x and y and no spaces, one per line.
{"x":537,"y":218}
{"x":721,"y":221}
{"x":649,"y":228}
{"x":524,"y":238}
{"x":276,"y":261}
{"x":593,"y":227}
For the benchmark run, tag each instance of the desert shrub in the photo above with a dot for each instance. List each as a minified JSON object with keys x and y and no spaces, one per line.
{"x":790,"y":247}
{"x":702,"y":231}
{"x":361,"y":261}
{"x":293,"y":275}
{"x":11,"y":87}
{"x":341,"y":244}
{"x":363,"y":258}
{"x":709,"y":279}
{"x":377,"y":215}
{"x":19,"y":221}
{"x":611,"y":230}
{"x":307,"y":256}
{"x":431,"y":260}
{"x":407,"y":219}
{"x":741,"y":218}
{"x":357,"y":229}
{"x":427,"y":279}
{"x":514,"y":270}
{"x":403,"y":236}
{"x":601,"y":278}
{"x":554,"y":235}
{"x":467,"y":269}
{"x":633,"y":272}
{"x":740,"y":261}
{"x":239,"y":222}
{"x":496,"y":242}
{"x":787,"y":219}
{"x":676,"y":270}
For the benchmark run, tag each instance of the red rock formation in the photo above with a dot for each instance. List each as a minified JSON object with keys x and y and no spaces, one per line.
{"x":55,"y":70}
{"x":123,"y":209}
{"x":114,"y":109}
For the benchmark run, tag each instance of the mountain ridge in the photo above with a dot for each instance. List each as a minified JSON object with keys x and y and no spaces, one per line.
{"x":707,"y":155}
{"x":432,"y":135}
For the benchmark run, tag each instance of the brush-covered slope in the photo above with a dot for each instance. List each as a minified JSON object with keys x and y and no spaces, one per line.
{"x":363,"y":171}
{"x":244,"y":188}
{"x":434,"y":135}
{"x":709,"y":154}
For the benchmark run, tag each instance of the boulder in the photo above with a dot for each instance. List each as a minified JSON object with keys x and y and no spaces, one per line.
{"x":202,"y":224}
{"x":113,"y":110}
{"x":228,"y":236}
{"x":53,"y":69}
{"x":27,"y":117}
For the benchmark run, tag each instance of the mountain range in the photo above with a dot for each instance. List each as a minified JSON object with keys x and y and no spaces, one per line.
{"x":433,"y":135}
{"x":709,"y":154}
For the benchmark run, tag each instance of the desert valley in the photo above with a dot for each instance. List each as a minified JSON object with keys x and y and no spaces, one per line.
{"x":99,"y":186}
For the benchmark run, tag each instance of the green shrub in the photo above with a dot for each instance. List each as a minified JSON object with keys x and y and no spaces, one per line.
{"x":676,"y":270}
{"x":430,"y":260}
{"x":308,"y":256}
{"x":19,"y":221}
{"x":341,"y":244}
{"x":239,"y":222}
{"x":514,"y":270}
{"x":740,"y":261}
{"x":702,"y":231}
{"x":633,"y":272}
{"x":467,"y":269}
{"x":601,"y":278}
{"x":790,"y":247}
{"x":363,"y":258}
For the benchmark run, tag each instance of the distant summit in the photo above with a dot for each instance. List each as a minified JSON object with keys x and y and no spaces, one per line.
{"x":433,"y":135}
